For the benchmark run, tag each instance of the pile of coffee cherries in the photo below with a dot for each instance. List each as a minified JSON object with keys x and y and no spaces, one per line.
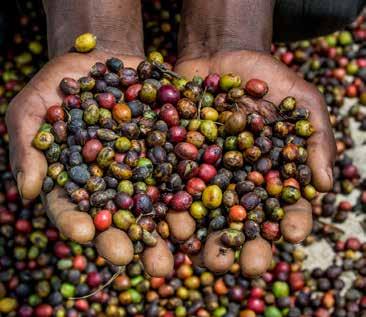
{"x":44,"y":278}
{"x":136,"y":148}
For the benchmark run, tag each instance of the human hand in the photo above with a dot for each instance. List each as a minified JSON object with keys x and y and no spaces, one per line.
{"x":25,"y":115}
{"x":118,"y":29}
{"x":282,"y":82}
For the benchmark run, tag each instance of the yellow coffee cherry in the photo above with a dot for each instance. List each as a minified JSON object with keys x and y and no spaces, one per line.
{"x":85,"y":42}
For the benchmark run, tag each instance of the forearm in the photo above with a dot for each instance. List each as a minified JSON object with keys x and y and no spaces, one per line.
{"x":116,"y":23}
{"x":209,"y":27}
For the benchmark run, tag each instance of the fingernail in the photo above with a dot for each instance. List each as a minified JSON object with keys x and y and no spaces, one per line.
{"x":20,"y":183}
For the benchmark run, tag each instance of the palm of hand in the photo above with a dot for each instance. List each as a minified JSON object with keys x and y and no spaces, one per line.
{"x":26,"y":113}
{"x":282,"y":82}
{"x":28,"y":109}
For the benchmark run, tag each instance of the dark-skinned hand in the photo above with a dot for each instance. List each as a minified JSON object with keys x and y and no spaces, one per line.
{"x":24,"y":117}
{"x":282,"y":82}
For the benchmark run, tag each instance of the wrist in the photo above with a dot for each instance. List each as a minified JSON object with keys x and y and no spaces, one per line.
{"x":212,"y":27}
{"x":117,"y":25}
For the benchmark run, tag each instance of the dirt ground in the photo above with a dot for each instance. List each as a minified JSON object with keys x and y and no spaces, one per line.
{"x":320,"y":254}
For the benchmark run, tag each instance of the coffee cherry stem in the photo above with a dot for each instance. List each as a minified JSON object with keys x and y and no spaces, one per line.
{"x":120,"y":271}
{"x":333,"y":227}
{"x":165,"y":71}
{"x":236,"y":106}
{"x":200,"y":104}
{"x":67,"y":114}
{"x":143,"y":215}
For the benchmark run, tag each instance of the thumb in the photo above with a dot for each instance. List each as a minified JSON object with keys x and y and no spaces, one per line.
{"x":321,"y":145}
{"x":29,"y":165}
{"x":30,"y":171}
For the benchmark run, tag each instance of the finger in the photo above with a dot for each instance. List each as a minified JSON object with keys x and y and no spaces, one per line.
{"x":255,"y":257}
{"x":181,"y":224}
{"x":216,"y":257}
{"x":320,"y":160}
{"x":73,"y":224}
{"x":28,"y":164}
{"x":158,"y":260}
{"x":321,"y":144}
{"x":298,"y":221}
{"x":115,"y":246}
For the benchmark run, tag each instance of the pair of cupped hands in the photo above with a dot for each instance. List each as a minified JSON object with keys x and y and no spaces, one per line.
{"x":28,"y":109}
